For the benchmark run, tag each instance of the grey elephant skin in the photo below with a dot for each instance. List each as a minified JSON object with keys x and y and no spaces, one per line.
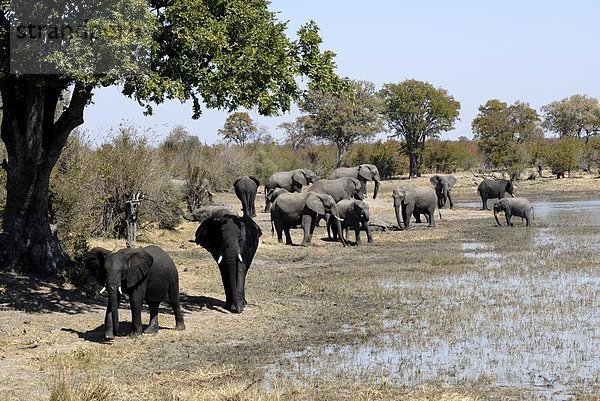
{"x":245,"y":189}
{"x":443,"y":187}
{"x":302,"y":209}
{"x":204,"y":212}
{"x":146,"y":274}
{"x":490,"y":189}
{"x":414,"y":201}
{"x":291,"y":181}
{"x":339,"y":188}
{"x":355,"y":215}
{"x":274,"y":193}
{"x":364,"y":173}
{"x":520,"y":207}
{"x":232,"y":241}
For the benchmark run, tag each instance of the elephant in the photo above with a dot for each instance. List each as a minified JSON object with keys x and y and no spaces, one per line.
{"x":245,"y":189}
{"x":494,"y":189}
{"x":415,"y":201}
{"x":204,"y":212}
{"x":274,"y":193}
{"x":292,"y":181}
{"x":146,"y":274}
{"x":355,"y":214}
{"x":519,"y":207}
{"x":232,"y":241}
{"x":293,"y":209}
{"x":364,"y":173}
{"x":339,"y":188}
{"x":443,"y":186}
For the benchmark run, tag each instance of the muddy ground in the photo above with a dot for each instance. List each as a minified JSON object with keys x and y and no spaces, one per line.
{"x":422,"y":291}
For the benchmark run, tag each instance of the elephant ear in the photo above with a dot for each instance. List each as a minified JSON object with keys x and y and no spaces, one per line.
{"x":350,"y":186}
{"x":298,"y":176}
{"x":253,"y":178}
{"x":236,"y":181}
{"x":208,"y":235}
{"x":451,"y":181}
{"x":94,"y":262}
{"x":364,"y":171}
{"x":315,"y":203}
{"x":435,"y":180}
{"x":138,"y":267}
{"x":410,"y":196}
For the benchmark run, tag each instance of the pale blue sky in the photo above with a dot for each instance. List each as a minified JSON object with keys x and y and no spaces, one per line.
{"x":533,"y":51}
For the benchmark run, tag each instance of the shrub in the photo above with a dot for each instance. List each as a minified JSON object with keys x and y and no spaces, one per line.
{"x":385,"y":155}
{"x":449,"y":156}
{"x":562,"y":155}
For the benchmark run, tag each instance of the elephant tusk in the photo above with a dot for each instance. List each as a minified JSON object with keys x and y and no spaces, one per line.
{"x":120,"y":291}
{"x":103,"y":290}
{"x":338,"y":218}
{"x":240,"y":257}
{"x":367,"y":202}
{"x":220,"y":259}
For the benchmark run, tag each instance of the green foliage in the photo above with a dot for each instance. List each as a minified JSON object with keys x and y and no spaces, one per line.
{"x":343,"y":117}
{"x":449,"y":156}
{"x":562,"y":155}
{"x":238,"y":128}
{"x":416,"y":111}
{"x":385,"y":155}
{"x":179,"y":151}
{"x":590,"y":157}
{"x":502,"y":131}
{"x":578,"y":116}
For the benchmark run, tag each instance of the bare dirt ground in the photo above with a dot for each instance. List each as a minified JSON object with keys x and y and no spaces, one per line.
{"x":51,"y":337}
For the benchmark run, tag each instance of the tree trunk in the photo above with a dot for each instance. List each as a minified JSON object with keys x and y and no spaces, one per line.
{"x":412,"y":167}
{"x":34,"y":140}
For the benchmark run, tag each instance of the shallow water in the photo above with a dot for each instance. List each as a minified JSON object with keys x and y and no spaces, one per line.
{"x":522,"y":320}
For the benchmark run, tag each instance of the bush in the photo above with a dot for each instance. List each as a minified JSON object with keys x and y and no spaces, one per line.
{"x":385,"y":155}
{"x":563,"y":155}
{"x":449,"y":156}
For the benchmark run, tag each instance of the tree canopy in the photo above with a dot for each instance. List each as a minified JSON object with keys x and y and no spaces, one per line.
{"x":238,"y":128}
{"x":502,"y":130}
{"x":344,"y":116}
{"x":416,"y":111}
{"x":225,"y":54}
{"x":578,"y":116}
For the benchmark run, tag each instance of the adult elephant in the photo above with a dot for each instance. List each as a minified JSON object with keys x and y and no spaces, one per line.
{"x":355,"y":215}
{"x":293,"y":209}
{"x":519,"y":207}
{"x":489,"y":189}
{"x":339,"y":188}
{"x":292,"y":181}
{"x":146,"y":274}
{"x":364,"y":173}
{"x":245,"y":189}
{"x":443,"y":185}
{"x":232,"y":241}
{"x":414,"y":201}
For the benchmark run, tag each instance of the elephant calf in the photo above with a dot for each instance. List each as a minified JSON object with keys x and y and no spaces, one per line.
{"x":414,"y":201}
{"x":355,"y":215}
{"x":519,"y":207}
{"x":146,"y":274}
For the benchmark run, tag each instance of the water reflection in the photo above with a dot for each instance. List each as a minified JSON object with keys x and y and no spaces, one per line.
{"x":526,"y":320}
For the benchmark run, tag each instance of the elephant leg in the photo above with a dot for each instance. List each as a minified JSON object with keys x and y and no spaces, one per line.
{"x":417,"y":217}
{"x":484,"y":202}
{"x":507,"y":216}
{"x":108,"y":324}
{"x":431,"y":216}
{"x":288,"y":237}
{"x":450,"y":200}
{"x":308,"y":225}
{"x":407,"y":212}
{"x":135,"y":301}
{"x":357,"y":234}
{"x":240,"y":296}
{"x":368,"y":231}
{"x":176,"y":306}
{"x":153,"y":325}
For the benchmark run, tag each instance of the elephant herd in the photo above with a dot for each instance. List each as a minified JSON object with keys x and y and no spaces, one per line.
{"x":149,"y":274}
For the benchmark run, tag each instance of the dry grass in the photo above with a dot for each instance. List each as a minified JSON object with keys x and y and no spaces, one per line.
{"x":414,"y":294}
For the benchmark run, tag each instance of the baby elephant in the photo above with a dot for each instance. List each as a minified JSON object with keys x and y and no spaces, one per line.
{"x":355,"y":214}
{"x":146,"y":274}
{"x":519,"y":207}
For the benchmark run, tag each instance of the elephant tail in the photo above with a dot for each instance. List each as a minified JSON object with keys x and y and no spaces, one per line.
{"x":272,"y":228}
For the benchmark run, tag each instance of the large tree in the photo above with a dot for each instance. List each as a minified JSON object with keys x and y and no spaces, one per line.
{"x":238,"y":128}
{"x":502,"y":131}
{"x":416,"y":111}
{"x":343,"y":116}
{"x":577,"y":116}
{"x":225,"y":54}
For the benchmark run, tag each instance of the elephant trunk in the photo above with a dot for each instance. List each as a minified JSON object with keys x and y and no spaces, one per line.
{"x":230,"y":267}
{"x":376,"y":190}
{"x":338,"y":224}
{"x":113,"y":309}
{"x":398,"y":219}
